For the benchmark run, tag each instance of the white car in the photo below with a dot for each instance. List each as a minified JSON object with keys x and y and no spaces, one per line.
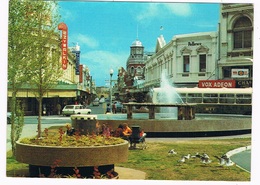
{"x":95,"y":102}
{"x":102,"y":100}
{"x":75,"y":109}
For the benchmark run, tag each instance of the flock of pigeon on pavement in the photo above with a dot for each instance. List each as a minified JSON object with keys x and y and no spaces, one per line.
{"x":224,"y":160}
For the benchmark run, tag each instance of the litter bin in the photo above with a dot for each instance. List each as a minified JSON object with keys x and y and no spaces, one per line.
{"x":84,"y":124}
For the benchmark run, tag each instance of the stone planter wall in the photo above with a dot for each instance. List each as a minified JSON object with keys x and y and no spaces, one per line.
{"x":72,"y":156}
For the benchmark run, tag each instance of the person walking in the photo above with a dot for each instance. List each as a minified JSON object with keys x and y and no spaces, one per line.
{"x":114,"y":108}
{"x":58,"y":108}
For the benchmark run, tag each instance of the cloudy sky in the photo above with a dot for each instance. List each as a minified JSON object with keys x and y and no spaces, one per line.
{"x":106,"y":30}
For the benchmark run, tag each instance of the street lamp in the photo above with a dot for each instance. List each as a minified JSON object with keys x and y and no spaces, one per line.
{"x":111,"y":74}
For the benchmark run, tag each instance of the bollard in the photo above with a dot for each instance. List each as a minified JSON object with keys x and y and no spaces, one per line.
{"x":84,"y":124}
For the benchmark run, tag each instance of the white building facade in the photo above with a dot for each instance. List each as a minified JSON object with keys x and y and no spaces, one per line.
{"x":186,"y":59}
{"x":225,"y":55}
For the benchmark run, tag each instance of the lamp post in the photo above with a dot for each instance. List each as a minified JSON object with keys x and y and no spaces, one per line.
{"x":111,"y":74}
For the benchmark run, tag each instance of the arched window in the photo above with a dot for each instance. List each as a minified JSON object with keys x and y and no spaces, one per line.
{"x":139,"y":70}
{"x":132,"y":70}
{"x":242,"y":33}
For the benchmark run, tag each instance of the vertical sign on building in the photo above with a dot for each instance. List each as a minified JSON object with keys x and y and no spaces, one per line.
{"x":77,"y":61}
{"x":64,"y":44}
{"x":80,"y":73}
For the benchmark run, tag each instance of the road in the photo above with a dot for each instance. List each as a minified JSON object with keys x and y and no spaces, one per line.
{"x":30,"y":123}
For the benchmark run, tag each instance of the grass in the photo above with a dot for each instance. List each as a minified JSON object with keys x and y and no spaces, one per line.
{"x":158,"y":165}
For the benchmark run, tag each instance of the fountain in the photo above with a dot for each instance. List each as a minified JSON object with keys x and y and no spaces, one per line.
{"x":166,"y":94}
{"x":186,"y":125}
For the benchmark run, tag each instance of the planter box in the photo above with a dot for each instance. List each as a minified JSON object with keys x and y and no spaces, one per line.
{"x":72,"y":156}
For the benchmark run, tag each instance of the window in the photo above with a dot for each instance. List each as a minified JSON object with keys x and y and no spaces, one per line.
{"x":202,"y":63}
{"x":194,"y":98}
{"x":132,"y":70}
{"x":139,"y":70}
{"x":210,"y":98}
{"x":242,"y":33}
{"x":226,"y":72}
{"x":186,"y":63}
{"x":243,"y":98}
{"x":227,"y":98}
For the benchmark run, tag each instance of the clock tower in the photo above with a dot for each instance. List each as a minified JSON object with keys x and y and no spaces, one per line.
{"x":135,"y":64}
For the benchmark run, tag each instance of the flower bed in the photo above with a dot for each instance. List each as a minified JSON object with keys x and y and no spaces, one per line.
{"x":71,"y":151}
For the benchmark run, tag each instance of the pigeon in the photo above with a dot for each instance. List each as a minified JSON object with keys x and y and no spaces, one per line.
{"x":205,"y":155}
{"x":205,"y":159}
{"x":229,"y":162}
{"x":182,"y":160}
{"x":187,"y":156}
{"x":197,"y":155}
{"x":172,"y":152}
{"x":224,"y":160}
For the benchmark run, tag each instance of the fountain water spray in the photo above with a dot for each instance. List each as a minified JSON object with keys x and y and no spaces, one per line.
{"x":167,"y":94}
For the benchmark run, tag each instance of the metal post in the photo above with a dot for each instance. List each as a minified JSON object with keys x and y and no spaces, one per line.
{"x":111,"y":74}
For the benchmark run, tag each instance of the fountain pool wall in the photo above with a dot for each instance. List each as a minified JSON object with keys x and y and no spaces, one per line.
{"x":203,"y":125}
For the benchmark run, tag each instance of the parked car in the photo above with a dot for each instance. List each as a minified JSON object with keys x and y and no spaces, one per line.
{"x":9,"y":117}
{"x":75,"y":109}
{"x":102,"y":100}
{"x":95,"y":102}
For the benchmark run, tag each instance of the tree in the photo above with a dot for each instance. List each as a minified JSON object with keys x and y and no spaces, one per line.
{"x":33,"y":54}
{"x":19,"y":41}
{"x":45,"y":64}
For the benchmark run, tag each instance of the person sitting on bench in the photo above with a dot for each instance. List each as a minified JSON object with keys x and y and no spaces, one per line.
{"x":127,"y":131}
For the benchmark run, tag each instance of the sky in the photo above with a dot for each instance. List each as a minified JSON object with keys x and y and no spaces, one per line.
{"x":105,"y":30}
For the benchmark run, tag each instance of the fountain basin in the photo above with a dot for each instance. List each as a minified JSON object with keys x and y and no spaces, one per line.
{"x":206,"y":125}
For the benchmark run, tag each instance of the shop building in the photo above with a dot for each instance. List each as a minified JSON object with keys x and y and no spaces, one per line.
{"x":71,"y":88}
{"x":185,"y":60}
{"x":223,"y":56}
{"x":236,"y":30}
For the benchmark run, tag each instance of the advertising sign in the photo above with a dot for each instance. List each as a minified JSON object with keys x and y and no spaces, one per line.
{"x":244,"y":83}
{"x":239,"y":73}
{"x":80,"y":73}
{"x":77,"y":61}
{"x":217,"y":83}
{"x":64,"y":44}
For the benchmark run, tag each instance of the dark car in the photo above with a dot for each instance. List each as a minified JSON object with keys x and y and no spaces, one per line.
{"x":9,"y":117}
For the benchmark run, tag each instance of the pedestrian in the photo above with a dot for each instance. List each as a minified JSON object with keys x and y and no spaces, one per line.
{"x":58,"y":108}
{"x":108,"y":108}
{"x":114,"y":108}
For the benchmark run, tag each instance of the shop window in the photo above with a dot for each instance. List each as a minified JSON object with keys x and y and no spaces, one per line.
{"x":226,"y":72}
